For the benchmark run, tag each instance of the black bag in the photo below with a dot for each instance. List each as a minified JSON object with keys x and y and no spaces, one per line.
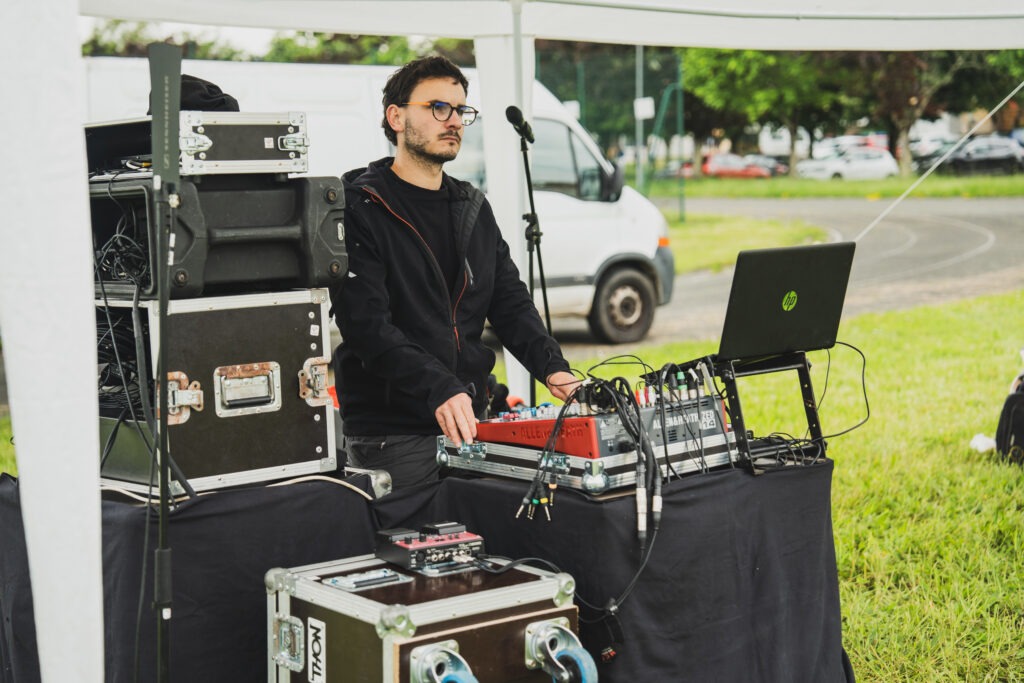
{"x":1010,"y":431}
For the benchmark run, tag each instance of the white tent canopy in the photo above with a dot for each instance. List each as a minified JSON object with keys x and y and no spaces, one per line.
{"x":46,"y":310}
{"x":752,"y":24}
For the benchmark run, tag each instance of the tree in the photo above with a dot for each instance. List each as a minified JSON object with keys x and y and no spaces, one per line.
{"x":336,"y":48}
{"x":116,"y":38}
{"x":1010,"y":61}
{"x":787,"y":88}
{"x":906,"y":86}
{"x":460,"y":51}
{"x":1004,"y":71}
{"x":602,"y":78}
{"x":1010,"y":65}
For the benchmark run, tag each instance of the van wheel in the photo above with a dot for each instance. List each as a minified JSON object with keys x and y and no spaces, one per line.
{"x":623,"y":307}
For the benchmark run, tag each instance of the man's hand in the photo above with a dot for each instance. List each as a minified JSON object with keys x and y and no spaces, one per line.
{"x":561,"y":384}
{"x":457,"y":419}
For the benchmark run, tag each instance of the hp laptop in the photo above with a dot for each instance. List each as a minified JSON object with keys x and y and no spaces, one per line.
{"x":785,"y":300}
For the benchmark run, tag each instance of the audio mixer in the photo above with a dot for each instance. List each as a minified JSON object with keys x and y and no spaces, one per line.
{"x":596,"y":453}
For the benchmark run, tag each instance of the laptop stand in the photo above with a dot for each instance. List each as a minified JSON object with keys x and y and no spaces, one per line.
{"x":729,"y":371}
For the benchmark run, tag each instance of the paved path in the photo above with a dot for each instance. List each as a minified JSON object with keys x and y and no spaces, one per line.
{"x":926,"y":251}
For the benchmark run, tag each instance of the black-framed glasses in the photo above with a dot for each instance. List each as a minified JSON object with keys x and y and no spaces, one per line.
{"x":442,"y":111}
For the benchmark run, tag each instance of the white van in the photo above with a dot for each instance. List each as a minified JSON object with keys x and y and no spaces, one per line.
{"x":604,"y":245}
{"x":775,"y":142}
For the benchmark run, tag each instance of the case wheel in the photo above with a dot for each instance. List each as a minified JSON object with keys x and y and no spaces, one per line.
{"x":579,"y":666}
{"x":439,"y":663}
{"x":551,"y":646}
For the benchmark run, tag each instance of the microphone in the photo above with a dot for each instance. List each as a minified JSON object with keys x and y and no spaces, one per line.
{"x":515,"y":117}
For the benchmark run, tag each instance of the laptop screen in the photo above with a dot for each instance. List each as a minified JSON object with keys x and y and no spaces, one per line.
{"x":785,"y":300}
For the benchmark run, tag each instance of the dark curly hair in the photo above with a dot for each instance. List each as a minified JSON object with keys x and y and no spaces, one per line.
{"x":401,"y":84}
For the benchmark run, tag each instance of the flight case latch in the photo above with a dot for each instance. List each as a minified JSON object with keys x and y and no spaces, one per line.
{"x":182,"y":397}
{"x":194,"y":143}
{"x":293,"y":142}
{"x":313,"y":382}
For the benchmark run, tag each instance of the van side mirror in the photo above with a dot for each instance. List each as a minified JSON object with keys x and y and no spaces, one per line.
{"x":611,"y":185}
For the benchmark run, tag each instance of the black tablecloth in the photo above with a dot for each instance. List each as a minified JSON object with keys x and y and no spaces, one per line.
{"x":222,"y":545}
{"x":740,"y":584}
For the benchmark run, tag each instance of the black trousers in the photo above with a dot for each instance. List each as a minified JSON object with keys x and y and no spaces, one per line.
{"x":409,"y":459}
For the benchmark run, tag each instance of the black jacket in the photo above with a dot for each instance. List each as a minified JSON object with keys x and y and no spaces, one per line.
{"x":408,"y":343}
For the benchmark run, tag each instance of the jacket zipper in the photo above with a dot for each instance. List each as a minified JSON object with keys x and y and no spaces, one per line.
{"x":467,"y":280}
{"x":437,"y":270}
{"x":458,"y":299}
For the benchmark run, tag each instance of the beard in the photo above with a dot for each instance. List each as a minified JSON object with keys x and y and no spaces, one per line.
{"x":417,"y":144}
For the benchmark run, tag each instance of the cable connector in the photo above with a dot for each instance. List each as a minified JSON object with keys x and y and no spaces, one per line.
{"x":641,"y":517}
{"x":705,"y":374}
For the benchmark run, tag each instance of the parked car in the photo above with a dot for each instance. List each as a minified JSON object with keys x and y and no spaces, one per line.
{"x":732,"y":166}
{"x":771,"y":164}
{"x":775,"y":142}
{"x":922,"y":162}
{"x":861,"y":163}
{"x":675,"y":169}
{"x":988,"y":154}
{"x":928,"y":145}
{"x":829,"y":147}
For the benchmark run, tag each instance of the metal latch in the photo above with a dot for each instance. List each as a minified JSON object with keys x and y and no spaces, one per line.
{"x":595,"y":480}
{"x":193,"y":143}
{"x":247,"y":389}
{"x":293,"y":142}
{"x":473,"y":451}
{"x":289,"y":642}
{"x":313,"y":382}
{"x":182,"y":397}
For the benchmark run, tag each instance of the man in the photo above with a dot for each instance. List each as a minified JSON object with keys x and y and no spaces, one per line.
{"x":427,"y":267}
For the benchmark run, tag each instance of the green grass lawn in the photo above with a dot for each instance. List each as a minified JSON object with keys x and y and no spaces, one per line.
{"x":707,"y":242}
{"x":6,"y":446}
{"x":929,"y":535}
{"x":795,"y":188}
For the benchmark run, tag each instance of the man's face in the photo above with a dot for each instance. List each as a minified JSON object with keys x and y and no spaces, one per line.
{"x":421,"y":134}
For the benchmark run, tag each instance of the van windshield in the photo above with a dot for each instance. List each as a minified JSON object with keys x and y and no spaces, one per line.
{"x":560,"y":161}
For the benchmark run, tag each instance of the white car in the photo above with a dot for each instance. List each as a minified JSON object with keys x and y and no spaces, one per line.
{"x":829,"y":147}
{"x":861,"y":163}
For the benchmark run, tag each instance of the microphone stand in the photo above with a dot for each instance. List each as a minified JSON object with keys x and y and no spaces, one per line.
{"x":165,"y":77}
{"x":533,"y":235}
